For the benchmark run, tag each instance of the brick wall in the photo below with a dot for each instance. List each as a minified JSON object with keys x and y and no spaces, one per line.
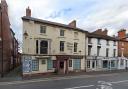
{"x":7,"y":39}
{"x":123,"y":43}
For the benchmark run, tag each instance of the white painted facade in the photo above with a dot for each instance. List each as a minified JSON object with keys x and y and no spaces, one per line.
{"x":95,"y":61}
{"x":122,"y":63}
{"x":103,"y":45}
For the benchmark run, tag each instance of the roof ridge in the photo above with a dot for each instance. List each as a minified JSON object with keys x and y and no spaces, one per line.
{"x":53,"y":23}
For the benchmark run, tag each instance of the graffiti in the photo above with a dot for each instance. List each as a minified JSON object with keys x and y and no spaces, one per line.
{"x":104,"y":85}
{"x":26,"y":64}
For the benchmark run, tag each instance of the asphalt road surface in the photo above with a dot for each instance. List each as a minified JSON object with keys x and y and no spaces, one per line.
{"x":103,"y":81}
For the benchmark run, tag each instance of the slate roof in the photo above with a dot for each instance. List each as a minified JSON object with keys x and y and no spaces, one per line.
{"x":92,"y":35}
{"x":52,"y":23}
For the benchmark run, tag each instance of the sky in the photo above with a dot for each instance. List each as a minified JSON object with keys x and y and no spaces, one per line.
{"x":89,"y":14}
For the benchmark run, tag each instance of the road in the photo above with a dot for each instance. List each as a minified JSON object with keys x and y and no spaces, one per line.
{"x":115,"y":81}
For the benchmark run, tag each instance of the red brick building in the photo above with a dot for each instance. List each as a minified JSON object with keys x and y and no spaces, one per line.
{"x":8,"y":42}
{"x":123,"y":43}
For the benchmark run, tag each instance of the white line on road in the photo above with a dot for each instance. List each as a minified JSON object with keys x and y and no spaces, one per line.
{"x":93,"y":85}
{"x":80,"y":87}
{"x":119,"y":82}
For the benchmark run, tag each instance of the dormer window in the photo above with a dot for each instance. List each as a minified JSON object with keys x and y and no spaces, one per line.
{"x":43,"y":29}
{"x":61,"y":32}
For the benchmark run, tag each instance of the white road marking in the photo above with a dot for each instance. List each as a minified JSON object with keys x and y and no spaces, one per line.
{"x":54,"y":78}
{"x":101,"y":84}
{"x":80,"y":87}
{"x":119,"y":82}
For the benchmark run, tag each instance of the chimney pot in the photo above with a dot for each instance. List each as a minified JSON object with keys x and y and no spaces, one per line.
{"x":28,"y":12}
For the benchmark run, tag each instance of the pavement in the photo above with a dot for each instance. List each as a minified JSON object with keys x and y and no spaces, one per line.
{"x":111,"y":80}
{"x":76,"y":74}
{"x":15,"y":75}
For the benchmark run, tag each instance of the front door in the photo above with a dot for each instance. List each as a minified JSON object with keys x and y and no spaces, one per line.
{"x":61,"y":66}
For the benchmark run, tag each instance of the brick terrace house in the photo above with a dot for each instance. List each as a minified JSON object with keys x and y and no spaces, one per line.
{"x":123,"y":48}
{"x":123,"y":43}
{"x":8,"y":42}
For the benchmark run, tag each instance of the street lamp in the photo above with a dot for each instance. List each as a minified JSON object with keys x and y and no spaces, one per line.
{"x":25,"y":34}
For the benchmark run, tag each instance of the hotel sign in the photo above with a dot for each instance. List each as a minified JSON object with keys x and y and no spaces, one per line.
{"x":69,"y":46}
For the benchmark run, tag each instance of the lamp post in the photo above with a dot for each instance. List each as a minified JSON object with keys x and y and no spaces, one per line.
{"x":2,"y":74}
{"x":25,"y":35}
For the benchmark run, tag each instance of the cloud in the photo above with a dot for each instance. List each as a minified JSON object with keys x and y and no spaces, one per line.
{"x":90,"y":14}
{"x":57,"y":14}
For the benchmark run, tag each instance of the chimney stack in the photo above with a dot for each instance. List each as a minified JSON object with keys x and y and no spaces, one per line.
{"x":101,"y":32}
{"x":72,"y":24}
{"x":28,"y":12}
{"x":105,"y":32}
{"x":122,"y":34}
{"x":98,"y":31}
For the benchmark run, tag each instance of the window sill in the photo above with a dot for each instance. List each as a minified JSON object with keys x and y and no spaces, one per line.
{"x":76,"y":39}
{"x":89,"y":43}
{"x":61,"y":37}
{"x":43,"y":54}
{"x":70,"y":67}
{"x":62,"y":52}
{"x":35,"y":70}
{"x":76,"y":53}
{"x":43,"y":34}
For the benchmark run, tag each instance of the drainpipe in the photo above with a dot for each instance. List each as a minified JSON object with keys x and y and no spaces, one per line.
{"x":85,"y":57}
{"x":2,"y":74}
{"x":122,"y":55}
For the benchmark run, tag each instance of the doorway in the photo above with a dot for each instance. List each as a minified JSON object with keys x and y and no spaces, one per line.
{"x":62,"y":67}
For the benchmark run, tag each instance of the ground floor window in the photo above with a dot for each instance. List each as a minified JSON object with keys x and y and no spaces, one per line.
{"x":88,"y":64}
{"x":126,"y":63}
{"x":93,"y":64}
{"x":105,"y":63}
{"x":49,"y":64}
{"x":54,"y":63}
{"x":76,"y":64}
{"x":35,"y":65}
{"x":113,"y":63}
{"x":121,"y":62}
{"x":70,"y":63}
